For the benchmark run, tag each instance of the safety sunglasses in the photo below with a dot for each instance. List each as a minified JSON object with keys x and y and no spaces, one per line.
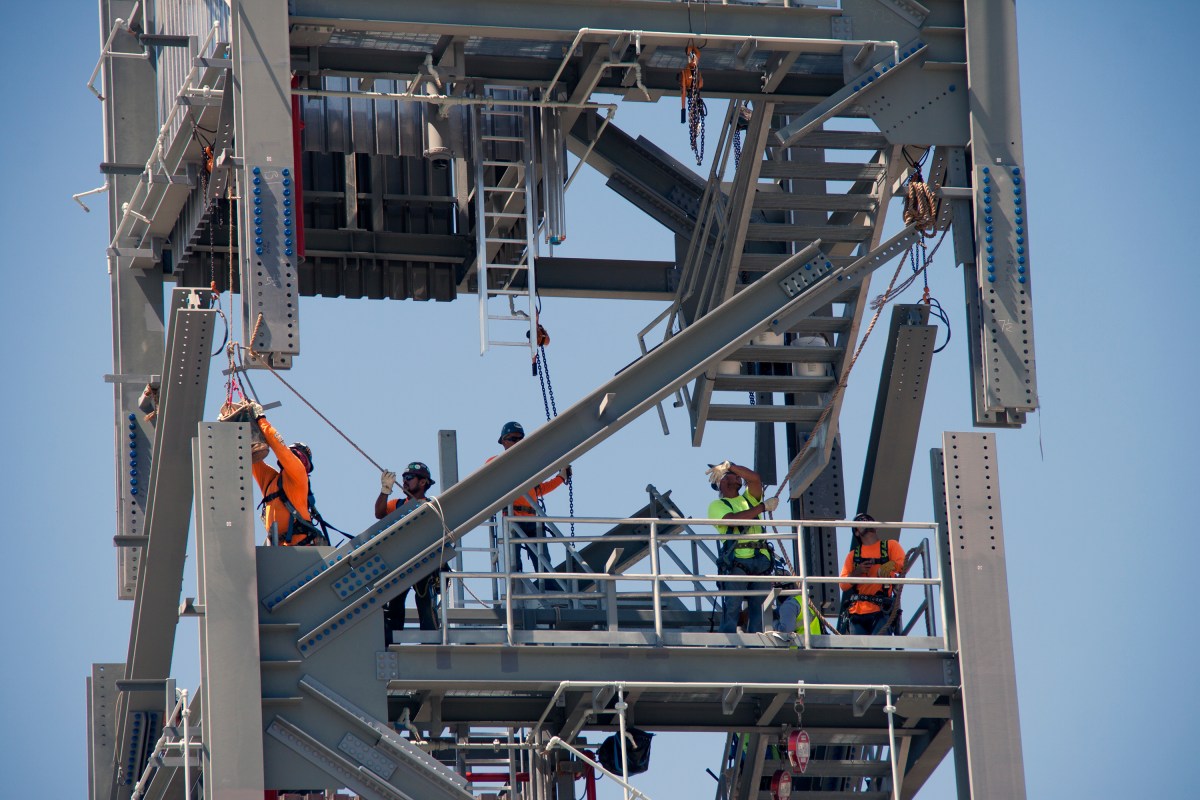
{"x":513,"y":439}
{"x":408,"y":476}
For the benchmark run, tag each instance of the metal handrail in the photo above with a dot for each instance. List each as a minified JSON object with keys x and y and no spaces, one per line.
{"x":658,"y":582}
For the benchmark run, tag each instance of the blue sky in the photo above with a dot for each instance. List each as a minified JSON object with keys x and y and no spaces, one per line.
{"x":1098,"y":535}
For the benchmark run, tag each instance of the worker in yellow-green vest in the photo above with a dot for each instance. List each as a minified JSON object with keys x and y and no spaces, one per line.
{"x":739,"y":555}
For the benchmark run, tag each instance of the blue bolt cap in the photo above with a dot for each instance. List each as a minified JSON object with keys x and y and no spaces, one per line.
{"x":987,"y":209}
{"x":986,"y":170}
{"x":991,"y":267}
{"x":1020,"y":259}
{"x":991,"y":278}
{"x":256,"y":170}
{"x":257,"y":181}
{"x":988,"y":229}
{"x":287,"y":181}
{"x":987,"y":178}
{"x":132,"y":416}
{"x":286,"y":171}
{"x":1020,"y":279}
{"x":132,"y":435}
{"x":991,"y":259}
{"x":286,"y":203}
{"x":258,"y":190}
{"x":953,"y":87}
{"x":1017,"y":190}
{"x":133,"y":481}
{"x":258,"y":240}
{"x":1021,"y":269}
{"x":258,"y":250}
{"x":1016,"y":170}
{"x":133,"y":490}
{"x":1020,"y":230}
{"x":287,"y":192}
{"x":1020,"y":250}
{"x":987,"y":219}
{"x":988,"y":239}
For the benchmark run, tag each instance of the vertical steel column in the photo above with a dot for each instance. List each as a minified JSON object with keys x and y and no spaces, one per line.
{"x":267,"y":213}
{"x":130,"y":130}
{"x":987,"y":733}
{"x":227,"y":593}
{"x":1002,"y":277}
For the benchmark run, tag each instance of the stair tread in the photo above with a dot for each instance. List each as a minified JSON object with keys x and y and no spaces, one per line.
{"x":845,"y":140}
{"x":826,"y":171}
{"x":780,"y":232}
{"x":728,"y":412}
{"x":772,"y":383}
{"x":829,"y":768}
{"x":773,"y":201}
{"x":787,"y":354}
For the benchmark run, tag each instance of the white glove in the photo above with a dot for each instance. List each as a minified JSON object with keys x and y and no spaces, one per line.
{"x":716,"y":472}
{"x":386,"y":481}
{"x":771,"y":504}
{"x":256,"y":409}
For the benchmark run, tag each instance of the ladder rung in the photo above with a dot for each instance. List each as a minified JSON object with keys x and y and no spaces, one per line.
{"x":504,"y":188}
{"x":487,"y":138}
{"x":494,"y":163}
{"x":507,"y":293}
{"x":509,"y":344}
{"x":498,"y":240}
{"x":506,"y":266}
{"x":509,"y":214}
{"x":491,"y":112}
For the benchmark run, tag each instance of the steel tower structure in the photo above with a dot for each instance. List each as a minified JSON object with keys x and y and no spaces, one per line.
{"x":411,"y":150}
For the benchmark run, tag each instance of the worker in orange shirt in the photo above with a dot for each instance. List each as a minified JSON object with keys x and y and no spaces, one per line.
{"x":527,"y":505}
{"x":288,"y":507}
{"x":867,"y":607}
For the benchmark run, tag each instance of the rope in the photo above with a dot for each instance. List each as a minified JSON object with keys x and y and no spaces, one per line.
{"x":920,"y":205}
{"x":325,"y":419}
{"x":909,"y":560}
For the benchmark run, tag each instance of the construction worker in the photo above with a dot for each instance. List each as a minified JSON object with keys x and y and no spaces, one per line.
{"x":288,"y":507}
{"x":867,"y":607}
{"x":789,"y":626}
{"x":740,"y":556}
{"x":527,"y":505}
{"x":415,"y":481}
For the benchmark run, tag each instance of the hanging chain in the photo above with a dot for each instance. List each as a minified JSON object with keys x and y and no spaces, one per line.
{"x":542,"y":368}
{"x":692,"y":110}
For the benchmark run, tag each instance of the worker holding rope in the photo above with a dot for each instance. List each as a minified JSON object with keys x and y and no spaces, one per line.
{"x":288,"y":508}
{"x":415,"y":481}
{"x":740,"y":556}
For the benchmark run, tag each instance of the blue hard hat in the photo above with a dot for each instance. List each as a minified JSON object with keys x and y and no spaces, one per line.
{"x":509,"y":429}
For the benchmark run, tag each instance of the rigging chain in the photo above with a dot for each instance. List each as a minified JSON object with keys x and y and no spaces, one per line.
{"x":542,"y":368}
{"x":692,"y":110}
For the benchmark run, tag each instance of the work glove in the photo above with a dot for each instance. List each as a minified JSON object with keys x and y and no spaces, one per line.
{"x":716,"y":472}
{"x":387,"y":481}
{"x":888,"y":569}
{"x":255,"y":408}
{"x":771,"y":503}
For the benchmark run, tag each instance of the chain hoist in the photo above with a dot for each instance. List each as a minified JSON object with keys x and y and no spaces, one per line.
{"x":692,"y":110}
{"x":541,"y":367}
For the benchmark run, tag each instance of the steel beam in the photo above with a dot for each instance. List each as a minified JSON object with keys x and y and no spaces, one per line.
{"x":903,"y":380}
{"x":130,"y":129}
{"x":102,"y":727}
{"x":987,"y":732}
{"x":552,"y":19}
{"x":181,"y":405}
{"x":1000,"y":285}
{"x":268,"y":215}
{"x":232,"y":757}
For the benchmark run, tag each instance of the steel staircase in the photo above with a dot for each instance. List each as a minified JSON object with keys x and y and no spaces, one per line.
{"x":831,"y":186}
{"x":862,"y":771}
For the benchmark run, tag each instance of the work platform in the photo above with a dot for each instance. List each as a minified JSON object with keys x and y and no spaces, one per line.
{"x":402,"y":150}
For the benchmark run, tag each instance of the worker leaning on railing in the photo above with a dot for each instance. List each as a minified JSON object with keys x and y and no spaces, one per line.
{"x":867,"y":607}
{"x":740,"y":556}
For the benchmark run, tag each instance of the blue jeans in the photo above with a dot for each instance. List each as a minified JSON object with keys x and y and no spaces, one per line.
{"x":736,"y":592}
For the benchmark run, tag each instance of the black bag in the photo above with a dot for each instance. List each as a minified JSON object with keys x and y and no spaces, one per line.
{"x":637,"y":749}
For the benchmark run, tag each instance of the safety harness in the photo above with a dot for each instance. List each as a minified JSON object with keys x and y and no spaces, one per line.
{"x":312,"y":534}
{"x":883,"y":599}
{"x":737,"y":548}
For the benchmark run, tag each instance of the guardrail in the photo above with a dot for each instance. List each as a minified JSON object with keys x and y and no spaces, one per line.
{"x":569,"y":583}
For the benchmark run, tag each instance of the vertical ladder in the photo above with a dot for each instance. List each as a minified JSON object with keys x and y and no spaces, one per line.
{"x":505,"y":221}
